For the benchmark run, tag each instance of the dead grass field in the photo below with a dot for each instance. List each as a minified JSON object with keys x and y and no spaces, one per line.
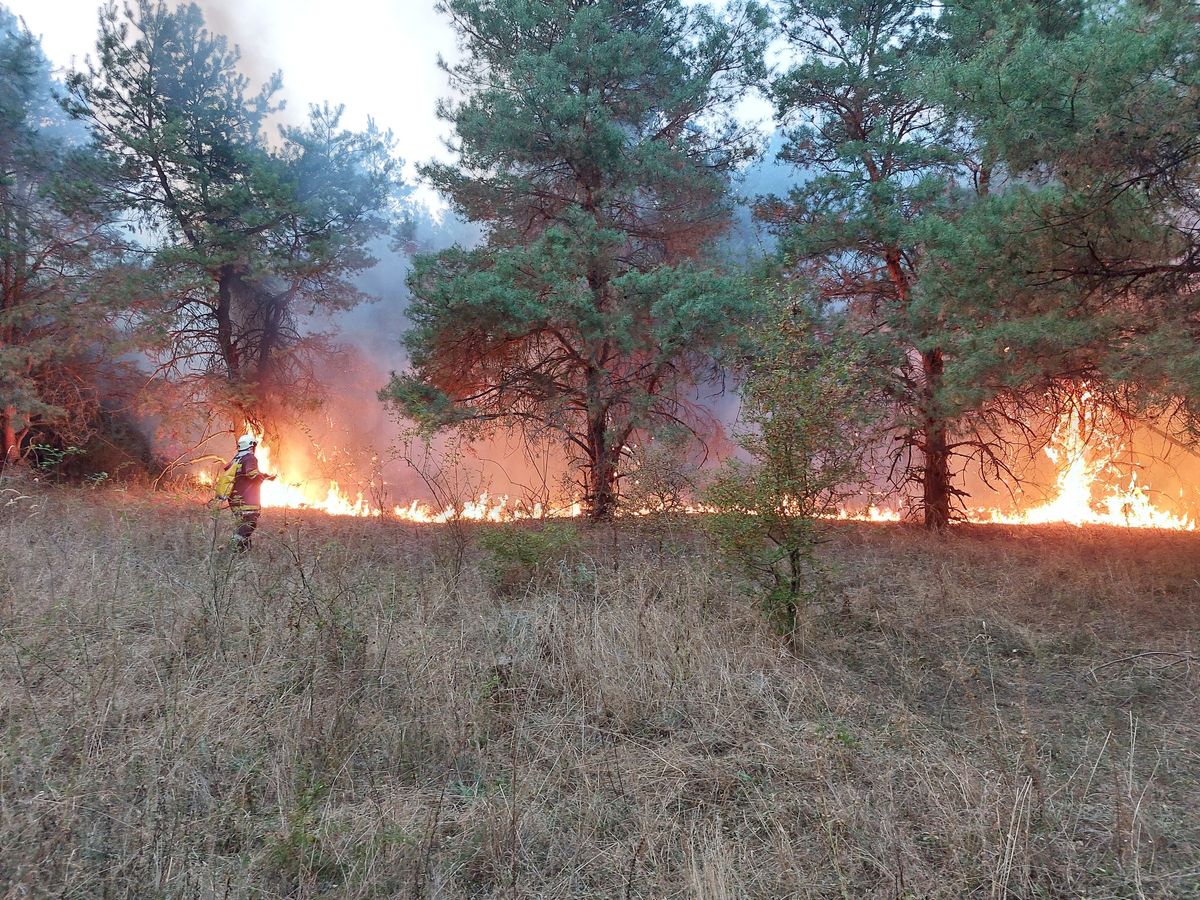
{"x":1003,"y":713}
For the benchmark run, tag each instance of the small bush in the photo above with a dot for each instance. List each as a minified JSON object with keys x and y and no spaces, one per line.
{"x":807,"y":430}
{"x":516,"y":554}
{"x":662,"y":477}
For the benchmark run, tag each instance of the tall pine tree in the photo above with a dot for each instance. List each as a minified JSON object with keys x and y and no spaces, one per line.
{"x":879,"y":159}
{"x":249,"y":233}
{"x":595,"y":142}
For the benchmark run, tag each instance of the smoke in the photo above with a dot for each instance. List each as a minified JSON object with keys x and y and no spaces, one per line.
{"x":376,"y":57}
{"x":353,"y":437}
{"x":246,"y":28}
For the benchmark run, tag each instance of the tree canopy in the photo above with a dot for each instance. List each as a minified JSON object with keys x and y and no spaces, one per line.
{"x":881,"y":159}
{"x":1083,"y":264}
{"x":68,"y":293}
{"x":247,"y":231}
{"x":595,"y":139}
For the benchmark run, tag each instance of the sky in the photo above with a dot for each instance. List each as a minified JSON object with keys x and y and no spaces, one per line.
{"x":378,"y":57}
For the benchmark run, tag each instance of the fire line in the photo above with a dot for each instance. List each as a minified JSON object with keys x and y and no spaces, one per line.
{"x":1080,"y":452}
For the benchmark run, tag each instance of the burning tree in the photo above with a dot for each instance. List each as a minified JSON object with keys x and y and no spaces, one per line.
{"x":1005,"y":194}
{"x":248,"y":234}
{"x":596,"y":144}
{"x":879,"y":157}
{"x":63,"y":289}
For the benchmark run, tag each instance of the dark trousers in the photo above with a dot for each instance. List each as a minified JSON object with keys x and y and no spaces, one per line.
{"x":247,"y":522}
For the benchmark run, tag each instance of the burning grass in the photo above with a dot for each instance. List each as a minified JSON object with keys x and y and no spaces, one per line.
{"x":369,"y":708}
{"x":1092,"y":485}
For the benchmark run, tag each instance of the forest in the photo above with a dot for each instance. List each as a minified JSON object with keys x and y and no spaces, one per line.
{"x":756,"y":457}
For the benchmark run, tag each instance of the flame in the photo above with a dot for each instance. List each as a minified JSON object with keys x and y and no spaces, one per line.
{"x":1083,"y":452}
{"x":872,"y":513}
{"x":286,"y":493}
{"x":1080,"y":448}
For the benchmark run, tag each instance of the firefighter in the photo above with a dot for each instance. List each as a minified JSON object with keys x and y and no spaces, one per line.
{"x":240,"y":487}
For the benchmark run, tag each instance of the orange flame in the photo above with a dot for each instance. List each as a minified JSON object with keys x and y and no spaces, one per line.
{"x":1081,"y":451}
{"x":284,"y":493}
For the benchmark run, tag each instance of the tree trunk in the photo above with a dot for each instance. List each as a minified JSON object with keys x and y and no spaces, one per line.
{"x":225,"y":344}
{"x":604,"y":449}
{"x":602,"y":465}
{"x":272,"y":308}
{"x":10,"y":448}
{"x":935,"y":476}
{"x":272,"y":313}
{"x":10,"y":440}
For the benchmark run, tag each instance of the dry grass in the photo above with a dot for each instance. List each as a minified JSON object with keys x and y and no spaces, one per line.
{"x":1000,"y":714}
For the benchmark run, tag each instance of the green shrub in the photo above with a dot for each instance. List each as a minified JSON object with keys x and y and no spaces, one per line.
{"x":807,"y":430}
{"x":517,"y":554}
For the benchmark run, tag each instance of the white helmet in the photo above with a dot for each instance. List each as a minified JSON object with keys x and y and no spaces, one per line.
{"x":245,"y":442}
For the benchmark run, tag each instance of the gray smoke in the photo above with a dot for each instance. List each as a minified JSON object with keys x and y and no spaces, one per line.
{"x":250,"y":32}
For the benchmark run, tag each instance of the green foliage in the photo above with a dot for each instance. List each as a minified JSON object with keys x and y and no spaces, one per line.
{"x":1079,"y":263}
{"x":596,"y":142}
{"x":246,"y":231}
{"x":47,"y":457}
{"x":66,"y":289}
{"x":516,"y":554}
{"x":1080,"y":93}
{"x":809,"y":425}
{"x":1073,"y":258}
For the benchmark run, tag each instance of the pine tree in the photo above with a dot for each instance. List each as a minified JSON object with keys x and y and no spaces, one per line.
{"x":880,"y":159}
{"x":971,"y":200}
{"x":65,"y":293}
{"x":595,"y":142}
{"x":248,"y":233}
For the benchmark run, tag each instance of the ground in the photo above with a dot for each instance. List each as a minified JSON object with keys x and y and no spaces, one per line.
{"x":360,"y":708}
